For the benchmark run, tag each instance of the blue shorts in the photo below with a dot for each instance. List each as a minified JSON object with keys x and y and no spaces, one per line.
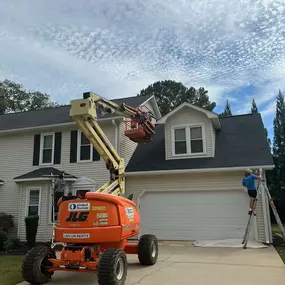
{"x":252,"y":193}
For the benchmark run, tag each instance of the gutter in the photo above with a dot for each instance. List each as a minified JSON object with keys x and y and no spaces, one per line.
{"x":20,"y":211}
{"x":40,"y":179}
{"x":202,"y":170}
{"x":42,"y":127}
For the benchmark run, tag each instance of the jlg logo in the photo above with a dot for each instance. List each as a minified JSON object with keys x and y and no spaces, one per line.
{"x":77,"y":217}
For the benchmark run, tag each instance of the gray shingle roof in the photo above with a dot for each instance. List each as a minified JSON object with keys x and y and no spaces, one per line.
{"x":241,"y":142}
{"x":53,"y":116}
{"x":41,"y":172}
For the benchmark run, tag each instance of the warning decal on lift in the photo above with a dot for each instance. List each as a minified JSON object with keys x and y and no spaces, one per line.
{"x":130,"y":212}
{"x":103,"y":218}
{"x":98,"y":208}
{"x":75,"y":236}
{"x":78,"y":206}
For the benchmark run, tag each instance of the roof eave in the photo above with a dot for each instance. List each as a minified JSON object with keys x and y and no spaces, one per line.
{"x":43,"y":127}
{"x":17,"y":180}
{"x":202,"y":170}
{"x":211,"y":115}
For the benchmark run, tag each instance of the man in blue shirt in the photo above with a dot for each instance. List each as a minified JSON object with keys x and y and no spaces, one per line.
{"x":248,"y":183}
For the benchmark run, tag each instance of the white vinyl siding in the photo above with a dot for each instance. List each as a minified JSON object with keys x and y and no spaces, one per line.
{"x":224,"y":181}
{"x":187,"y":118}
{"x":16,"y":154}
{"x":126,"y":146}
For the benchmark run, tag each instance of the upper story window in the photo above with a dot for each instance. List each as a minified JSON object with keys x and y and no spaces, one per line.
{"x":47,"y":148}
{"x":188,"y":140}
{"x":84,"y":148}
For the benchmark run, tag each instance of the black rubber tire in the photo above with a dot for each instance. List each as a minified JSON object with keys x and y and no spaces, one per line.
{"x":31,"y":267}
{"x":146,"y":253}
{"x":106,"y":271}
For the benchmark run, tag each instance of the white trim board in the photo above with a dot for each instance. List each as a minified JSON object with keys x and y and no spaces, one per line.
{"x":211,"y":115}
{"x":202,"y":170}
{"x":155,"y":105}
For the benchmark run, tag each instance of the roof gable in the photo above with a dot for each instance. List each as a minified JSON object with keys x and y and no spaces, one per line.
{"x":241,"y":142}
{"x":211,"y":115}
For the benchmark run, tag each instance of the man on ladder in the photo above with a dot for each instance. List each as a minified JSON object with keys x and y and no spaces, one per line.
{"x":248,"y":183}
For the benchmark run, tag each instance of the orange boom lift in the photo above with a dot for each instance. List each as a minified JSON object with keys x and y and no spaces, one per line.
{"x":94,"y":231}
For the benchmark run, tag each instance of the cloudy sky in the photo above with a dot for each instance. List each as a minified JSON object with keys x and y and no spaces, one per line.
{"x":234,"y":48}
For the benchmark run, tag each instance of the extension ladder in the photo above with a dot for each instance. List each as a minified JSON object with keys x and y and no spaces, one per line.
{"x":262,"y":186}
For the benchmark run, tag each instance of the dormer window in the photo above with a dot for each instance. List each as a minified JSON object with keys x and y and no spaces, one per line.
{"x":188,"y":140}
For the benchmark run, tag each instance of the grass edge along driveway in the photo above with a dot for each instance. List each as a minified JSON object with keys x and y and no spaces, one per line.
{"x":279,"y":249}
{"x":10,"y":269}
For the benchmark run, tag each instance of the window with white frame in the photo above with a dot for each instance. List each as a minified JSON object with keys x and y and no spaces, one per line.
{"x":47,"y":148}
{"x":84,"y":148}
{"x":188,"y":140}
{"x":33,"y":202}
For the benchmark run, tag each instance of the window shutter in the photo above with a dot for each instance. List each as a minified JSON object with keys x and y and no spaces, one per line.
{"x":36,"y":154}
{"x":57,"y":148}
{"x":73,"y":146}
{"x":96,"y":155}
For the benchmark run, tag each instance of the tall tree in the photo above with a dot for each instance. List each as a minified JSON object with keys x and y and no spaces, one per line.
{"x":227,"y":112}
{"x":279,"y":145}
{"x":268,"y":139}
{"x":254,"y":109}
{"x":170,"y":94}
{"x":14,"y":98}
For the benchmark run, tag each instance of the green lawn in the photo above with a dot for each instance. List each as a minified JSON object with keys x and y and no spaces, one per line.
{"x":10,"y":270}
{"x":275,"y":228}
{"x":280,"y":250}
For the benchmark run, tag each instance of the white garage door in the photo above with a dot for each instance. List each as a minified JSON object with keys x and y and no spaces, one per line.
{"x":194,"y":215}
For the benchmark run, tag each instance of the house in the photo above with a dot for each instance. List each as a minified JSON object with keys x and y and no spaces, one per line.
{"x":35,"y":144}
{"x":187,"y":182}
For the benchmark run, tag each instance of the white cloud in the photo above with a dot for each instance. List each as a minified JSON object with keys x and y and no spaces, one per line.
{"x":118,"y":47}
{"x":269,"y":109}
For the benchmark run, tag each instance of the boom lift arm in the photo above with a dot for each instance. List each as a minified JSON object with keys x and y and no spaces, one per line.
{"x":141,"y":130}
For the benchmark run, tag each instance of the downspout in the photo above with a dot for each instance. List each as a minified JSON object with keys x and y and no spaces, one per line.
{"x":20,"y":210}
{"x":266,"y":213}
{"x":116,"y":135}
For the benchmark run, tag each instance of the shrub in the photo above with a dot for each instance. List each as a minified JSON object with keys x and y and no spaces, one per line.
{"x":12,"y":244}
{"x":3,"y":239}
{"x":6,"y":222}
{"x":31,"y":229}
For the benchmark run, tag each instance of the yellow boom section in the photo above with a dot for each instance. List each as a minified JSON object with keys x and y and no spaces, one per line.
{"x":84,"y":113}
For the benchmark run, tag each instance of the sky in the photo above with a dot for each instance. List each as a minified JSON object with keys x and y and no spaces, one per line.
{"x":233,"y":48}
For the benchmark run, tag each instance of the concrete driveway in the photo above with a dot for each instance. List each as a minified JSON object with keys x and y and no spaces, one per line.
{"x":187,"y":265}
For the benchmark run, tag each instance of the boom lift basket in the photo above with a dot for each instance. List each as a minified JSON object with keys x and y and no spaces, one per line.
{"x":136,"y":132}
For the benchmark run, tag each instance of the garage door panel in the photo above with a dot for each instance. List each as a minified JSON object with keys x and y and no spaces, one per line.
{"x":194,"y":215}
